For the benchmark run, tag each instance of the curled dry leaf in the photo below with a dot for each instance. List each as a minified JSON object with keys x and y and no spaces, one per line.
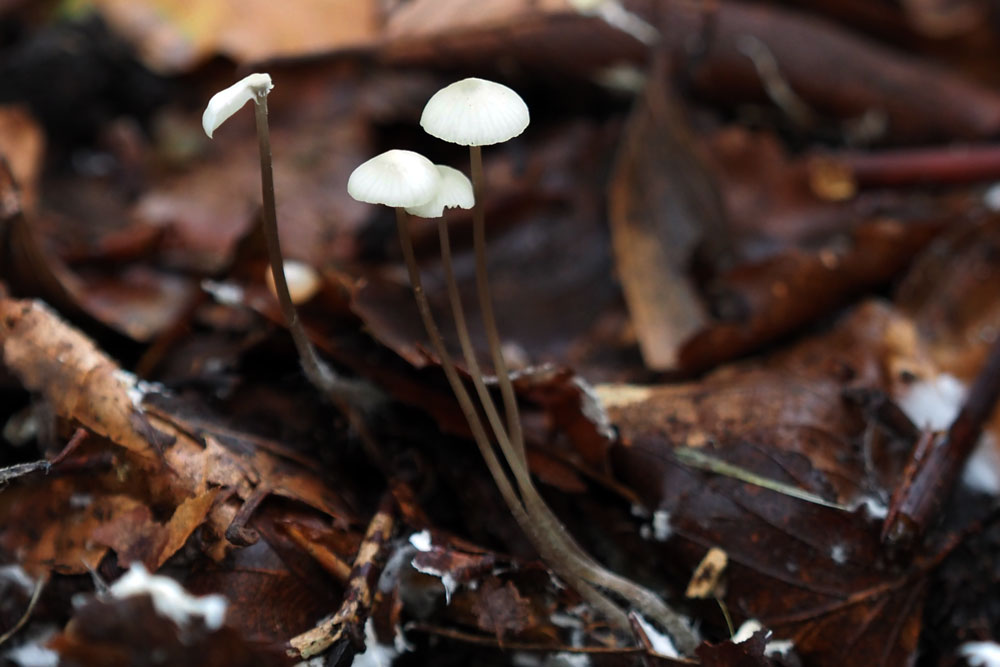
{"x":665,"y":211}
{"x":137,"y":537}
{"x":792,"y":256}
{"x":77,"y":378}
{"x":160,"y":466}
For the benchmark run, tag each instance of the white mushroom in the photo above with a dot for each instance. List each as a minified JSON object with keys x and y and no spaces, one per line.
{"x":223,"y":105}
{"x":395,"y":178}
{"x":475,"y":112}
{"x":303,"y":281}
{"x":455,"y":191}
{"x":227,"y":102}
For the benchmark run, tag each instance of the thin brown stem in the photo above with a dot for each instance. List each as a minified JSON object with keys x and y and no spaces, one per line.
{"x":533,"y":502}
{"x":458,"y":388}
{"x":548,"y":548}
{"x":486,"y":304}
{"x":320,"y":374}
{"x":562,"y":553}
{"x":468,"y":352}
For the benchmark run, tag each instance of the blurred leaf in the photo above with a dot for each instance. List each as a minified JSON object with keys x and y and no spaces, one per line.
{"x":175,"y":36}
{"x":666,"y":215}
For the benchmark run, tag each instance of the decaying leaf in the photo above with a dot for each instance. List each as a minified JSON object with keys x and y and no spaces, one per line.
{"x":176,"y":36}
{"x":665,"y":215}
{"x":159,"y":463}
{"x":80,"y":381}
{"x":752,"y":202}
{"x":808,"y":571}
{"x":501,"y":609}
{"x":441,"y":32}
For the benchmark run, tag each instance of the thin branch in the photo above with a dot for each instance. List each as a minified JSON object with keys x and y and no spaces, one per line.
{"x":35,"y":595}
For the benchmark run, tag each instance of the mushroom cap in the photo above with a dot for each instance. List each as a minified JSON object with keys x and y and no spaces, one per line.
{"x":454,"y":191}
{"x":475,"y":112}
{"x":395,"y":178}
{"x":230,"y":100}
{"x":303,"y":281}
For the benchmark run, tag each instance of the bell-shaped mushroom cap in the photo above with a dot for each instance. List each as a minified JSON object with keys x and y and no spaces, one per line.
{"x":475,"y":112}
{"x":454,"y":191}
{"x":227,"y":102}
{"x":302,"y":279}
{"x":395,"y":178}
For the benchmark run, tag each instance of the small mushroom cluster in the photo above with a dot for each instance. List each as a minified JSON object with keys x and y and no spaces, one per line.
{"x":475,"y":113}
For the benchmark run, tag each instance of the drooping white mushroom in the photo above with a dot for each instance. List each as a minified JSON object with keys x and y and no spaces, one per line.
{"x":223,"y":105}
{"x":227,"y":102}
{"x":395,"y":178}
{"x":454,"y":191}
{"x":475,"y":112}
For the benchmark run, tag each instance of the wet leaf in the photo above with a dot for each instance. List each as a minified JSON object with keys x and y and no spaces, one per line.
{"x":807,"y":571}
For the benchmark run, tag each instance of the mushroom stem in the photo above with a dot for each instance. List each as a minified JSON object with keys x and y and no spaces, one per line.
{"x":320,"y":374}
{"x":548,"y":543}
{"x":532,"y":500}
{"x":560,"y":549}
{"x":458,"y":388}
{"x":517,"y":465}
{"x":486,"y":305}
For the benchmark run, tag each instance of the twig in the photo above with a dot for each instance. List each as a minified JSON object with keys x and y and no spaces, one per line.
{"x":328,"y":560}
{"x":482,"y":640}
{"x":13,"y":472}
{"x":918,"y":166}
{"x":238,"y":532}
{"x":934,"y":477}
{"x":35,"y":595}
{"x":359,"y":597}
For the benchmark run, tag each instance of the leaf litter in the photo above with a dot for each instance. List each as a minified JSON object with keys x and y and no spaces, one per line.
{"x":833,"y":317}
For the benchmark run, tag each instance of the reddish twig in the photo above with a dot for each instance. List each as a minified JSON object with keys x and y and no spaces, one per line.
{"x":350,"y":619}
{"x":931,"y":479}
{"x":919,"y":166}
